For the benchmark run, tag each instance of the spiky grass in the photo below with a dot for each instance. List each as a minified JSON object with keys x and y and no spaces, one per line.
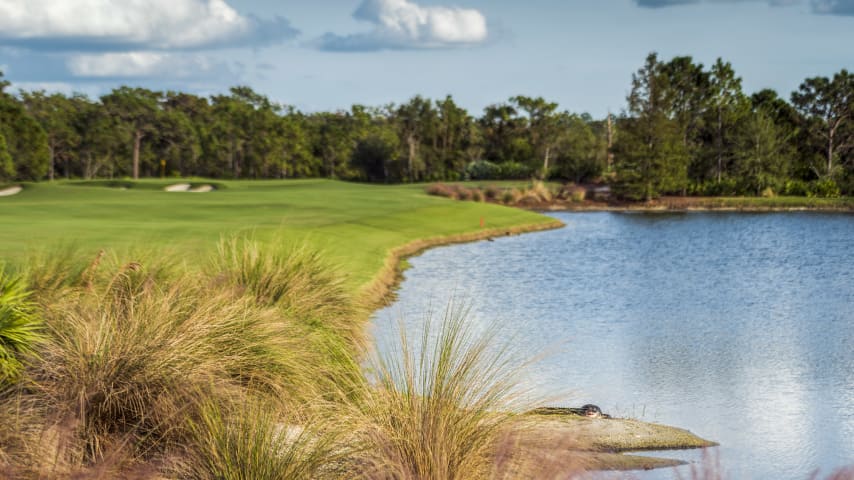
{"x":255,"y":441}
{"x":129,"y":357}
{"x":299,"y":282}
{"x":20,"y":326}
{"x":438,"y":408}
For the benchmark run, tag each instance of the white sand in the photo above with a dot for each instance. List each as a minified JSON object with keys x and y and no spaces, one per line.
{"x":8,"y":192}
{"x":178,"y":187}
{"x":201,"y":189}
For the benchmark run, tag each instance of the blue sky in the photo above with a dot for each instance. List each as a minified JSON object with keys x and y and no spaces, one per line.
{"x":329,"y":54}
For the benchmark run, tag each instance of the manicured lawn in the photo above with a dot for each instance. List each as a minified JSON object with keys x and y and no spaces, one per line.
{"x":356,"y":224}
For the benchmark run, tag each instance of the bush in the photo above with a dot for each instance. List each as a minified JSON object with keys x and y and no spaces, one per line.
{"x":511,"y":196}
{"x":483,"y":170}
{"x":439,"y":406}
{"x":796,"y":188}
{"x":492,"y":192}
{"x":20,"y":327}
{"x":515,"y":171}
{"x":477,"y":195}
{"x":824,"y":189}
{"x":126,"y":358}
{"x":441,"y":190}
{"x":254,"y":442}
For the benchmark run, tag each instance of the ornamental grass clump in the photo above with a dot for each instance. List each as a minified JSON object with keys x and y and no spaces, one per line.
{"x":441,"y":190}
{"x":125,"y":360}
{"x":256,"y":440}
{"x":307,"y":290}
{"x":437,"y":409}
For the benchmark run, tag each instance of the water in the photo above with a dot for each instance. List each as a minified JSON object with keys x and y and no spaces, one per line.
{"x":738,"y":327}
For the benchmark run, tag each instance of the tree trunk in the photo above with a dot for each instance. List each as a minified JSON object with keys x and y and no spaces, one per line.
{"x":546,"y":162}
{"x":52,"y":162}
{"x":137,"y":143}
{"x":410,"y":139}
{"x":830,"y":152}
{"x":610,"y":153}
{"x":720,"y":141}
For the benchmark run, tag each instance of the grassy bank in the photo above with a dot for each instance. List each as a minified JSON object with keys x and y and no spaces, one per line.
{"x":357,"y":226}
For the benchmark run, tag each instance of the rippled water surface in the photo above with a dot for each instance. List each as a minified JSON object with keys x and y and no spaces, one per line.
{"x":739,"y":327}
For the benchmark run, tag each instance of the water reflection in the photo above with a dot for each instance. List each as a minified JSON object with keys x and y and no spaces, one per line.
{"x":736,"y":326}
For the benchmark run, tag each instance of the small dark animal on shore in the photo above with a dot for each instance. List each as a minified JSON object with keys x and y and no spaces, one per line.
{"x":589,"y":410}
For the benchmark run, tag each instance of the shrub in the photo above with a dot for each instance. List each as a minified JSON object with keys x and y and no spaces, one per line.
{"x":515,"y":171}
{"x":797,"y":188}
{"x":511,"y":196}
{"x":20,"y":327}
{"x":576,"y":193}
{"x":477,"y":195}
{"x":295,"y":278}
{"x":439,"y":407}
{"x":440,"y":190}
{"x":768,"y":192}
{"x":254,"y":442}
{"x":539,"y":192}
{"x":463,"y":193}
{"x":824,"y":189}
{"x":483,"y":170}
{"x":125,"y":359}
{"x":492,"y":192}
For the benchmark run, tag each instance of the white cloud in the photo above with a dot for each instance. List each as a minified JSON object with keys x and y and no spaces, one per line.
{"x":401,"y":24}
{"x":145,"y":65}
{"x":120,"y":25}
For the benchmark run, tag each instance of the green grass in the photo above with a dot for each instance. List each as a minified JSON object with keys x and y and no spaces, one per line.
{"x":785,"y":202}
{"x":355,"y":224}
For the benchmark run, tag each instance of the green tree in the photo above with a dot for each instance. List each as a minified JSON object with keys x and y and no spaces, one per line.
{"x":137,"y":111}
{"x":56,"y":114}
{"x":830,"y":104}
{"x":7,"y":168}
{"x":455,"y":135}
{"x":26,"y":141}
{"x":415,"y":118}
{"x":650,"y":155}
{"x":763,"y":153}
{"x":542,"y":126}
{"x":727,"y":105}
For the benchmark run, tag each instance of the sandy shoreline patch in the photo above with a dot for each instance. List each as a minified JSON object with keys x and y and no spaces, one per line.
{"x":8,"y":192}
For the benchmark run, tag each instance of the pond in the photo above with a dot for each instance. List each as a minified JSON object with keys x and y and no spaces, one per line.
{"x":738,"y":327}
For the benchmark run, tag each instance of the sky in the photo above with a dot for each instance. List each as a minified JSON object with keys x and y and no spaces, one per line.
{"x":329,"y":54}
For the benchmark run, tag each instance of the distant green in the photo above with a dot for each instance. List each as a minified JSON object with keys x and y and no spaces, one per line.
{"x":355,"y":224}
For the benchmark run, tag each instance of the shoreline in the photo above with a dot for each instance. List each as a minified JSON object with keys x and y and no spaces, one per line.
{"x":666,"y":209}
{"x":378,"y":292}
{"x":599,"y":444}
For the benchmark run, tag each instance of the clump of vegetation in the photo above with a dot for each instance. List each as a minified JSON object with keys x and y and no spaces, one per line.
{"x":135,"y":360}
{"x":511,"y":196}
{"x":441,"y":190}
{"x":492,"y":193}
{"x":254,"y":441}
{"x":20,"y":327}
{"x":438,"y":408}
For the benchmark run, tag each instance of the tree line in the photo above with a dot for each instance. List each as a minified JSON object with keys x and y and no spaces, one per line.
{"x":686,"y":130}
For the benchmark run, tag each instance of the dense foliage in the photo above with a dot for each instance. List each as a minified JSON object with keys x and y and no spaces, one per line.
{"x":686,"y":130}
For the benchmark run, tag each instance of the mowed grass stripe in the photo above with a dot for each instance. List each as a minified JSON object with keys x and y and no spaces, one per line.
{"x":356,"y":224}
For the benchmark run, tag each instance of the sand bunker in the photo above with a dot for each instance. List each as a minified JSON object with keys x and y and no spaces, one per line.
{"x":178,"y":187}
{"x":201,"y":189}
{"x":8,"y":192}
